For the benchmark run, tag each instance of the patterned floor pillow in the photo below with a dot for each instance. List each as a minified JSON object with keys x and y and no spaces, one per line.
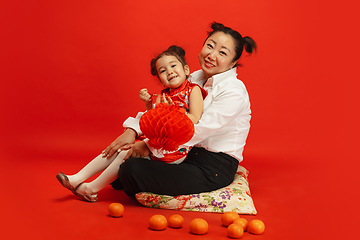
{"x":235,"y":198}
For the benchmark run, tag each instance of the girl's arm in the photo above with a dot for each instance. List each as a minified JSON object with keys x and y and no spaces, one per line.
{"x":196,"y":105}
{"x":158,"y":99}
{"x":163,"y":99}
{"x":146,"y":97}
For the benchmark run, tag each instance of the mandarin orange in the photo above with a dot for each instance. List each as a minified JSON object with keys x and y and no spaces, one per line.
{"x":199,"y":226}
{"x":256,"y":226}
{"x":228,"y":218}
{"x":176,"y":221}
{"x":243,"y":222}
{"x":157,"y":222}
{"x":235,"y":230}
{"x":116,"y":209}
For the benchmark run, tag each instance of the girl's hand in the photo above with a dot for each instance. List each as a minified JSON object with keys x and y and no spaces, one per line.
{"x":144,"y":95}
{"x":120,"y":143}
{"x":167,"y":100}
{"x":137,"y":150}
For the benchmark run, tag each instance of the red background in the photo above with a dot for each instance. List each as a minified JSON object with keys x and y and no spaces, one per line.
{"x":71,"y":71}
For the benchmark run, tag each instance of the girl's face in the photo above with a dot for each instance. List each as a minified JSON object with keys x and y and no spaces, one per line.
{"x":171,"y":72}
{"x":217,"y":54}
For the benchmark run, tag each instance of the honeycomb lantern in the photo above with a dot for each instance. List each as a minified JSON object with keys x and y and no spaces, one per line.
{"x":166,"y":127}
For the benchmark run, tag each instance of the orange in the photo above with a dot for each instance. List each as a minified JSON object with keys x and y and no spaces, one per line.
{"x":176,"y":221}
{"x":198,"y":226}
{"x":243,"y":222}
{"x":256,"y":226}
{"x":157,"y":222}
{"x":228,"y":218}
{"x":116,"y":209}
{"x":235,"y":230}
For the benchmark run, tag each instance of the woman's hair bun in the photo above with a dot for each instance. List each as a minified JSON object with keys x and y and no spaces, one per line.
{"x":216,"y":25}
{"x":249,"y":44}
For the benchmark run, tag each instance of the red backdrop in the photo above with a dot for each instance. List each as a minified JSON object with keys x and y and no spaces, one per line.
{"x":71,"y":71}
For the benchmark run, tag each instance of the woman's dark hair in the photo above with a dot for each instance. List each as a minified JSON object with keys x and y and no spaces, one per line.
{"x":173,"y":50}
{"x":240,"y":42}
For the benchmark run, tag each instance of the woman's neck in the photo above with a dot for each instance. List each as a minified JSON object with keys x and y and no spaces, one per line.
{"x":210,"y":76}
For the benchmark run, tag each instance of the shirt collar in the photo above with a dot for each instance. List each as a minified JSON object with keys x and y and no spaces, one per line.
{"x":201,"y":78}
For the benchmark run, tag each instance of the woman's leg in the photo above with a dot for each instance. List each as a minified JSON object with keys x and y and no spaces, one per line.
{"x":109,"y":175}
{"x":97,"y":165}
{"x":202,"y":171}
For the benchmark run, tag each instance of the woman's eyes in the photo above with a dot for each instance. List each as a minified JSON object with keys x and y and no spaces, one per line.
{"x":223,"y":53}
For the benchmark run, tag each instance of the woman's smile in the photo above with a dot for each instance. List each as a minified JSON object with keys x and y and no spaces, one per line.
{"x":208,"y":64}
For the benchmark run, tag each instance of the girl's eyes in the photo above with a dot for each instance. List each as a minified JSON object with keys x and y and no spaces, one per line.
{"x":223,"y":53}
{"x":164,"y":70}
{"x":209,"y":45}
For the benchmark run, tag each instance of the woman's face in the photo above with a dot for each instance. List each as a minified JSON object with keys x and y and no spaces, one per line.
{"x":217,"y":54}
{"x":171,"y":72}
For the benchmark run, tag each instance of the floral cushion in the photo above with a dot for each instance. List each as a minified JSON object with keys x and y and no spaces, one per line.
{"x":235,"y":198}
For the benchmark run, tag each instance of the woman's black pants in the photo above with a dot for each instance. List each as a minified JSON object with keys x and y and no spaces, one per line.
{"x":202,"y":171}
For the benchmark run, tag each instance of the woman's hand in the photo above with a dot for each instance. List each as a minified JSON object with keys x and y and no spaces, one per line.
{"x":120,"y":143}
{"x":137,"y":150}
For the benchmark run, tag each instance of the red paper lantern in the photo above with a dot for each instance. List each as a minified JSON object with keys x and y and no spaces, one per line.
{"x":166,"y":127}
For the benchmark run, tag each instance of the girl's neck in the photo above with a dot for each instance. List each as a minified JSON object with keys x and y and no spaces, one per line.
{"x":179,"y":87}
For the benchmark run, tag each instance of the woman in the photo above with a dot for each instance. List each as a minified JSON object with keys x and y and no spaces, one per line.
{"x":220,"y":135}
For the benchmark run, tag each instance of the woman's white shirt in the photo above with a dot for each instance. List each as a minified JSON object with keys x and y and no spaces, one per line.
{"x":225,"y":122}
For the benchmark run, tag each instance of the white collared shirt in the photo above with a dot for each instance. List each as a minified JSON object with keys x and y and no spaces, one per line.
{"x":225,"y":122}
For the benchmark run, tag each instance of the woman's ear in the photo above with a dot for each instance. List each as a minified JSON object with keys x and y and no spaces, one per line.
{"x":233,"y":64}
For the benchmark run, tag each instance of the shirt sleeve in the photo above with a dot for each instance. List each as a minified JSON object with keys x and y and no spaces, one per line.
{"x":224,"y":108}
{"x":153,"y":151}
{"x":134,"y":123}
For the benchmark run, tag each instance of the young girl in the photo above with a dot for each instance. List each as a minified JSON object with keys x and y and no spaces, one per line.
{"x":172,"y":70}
{"x":170,"y":67}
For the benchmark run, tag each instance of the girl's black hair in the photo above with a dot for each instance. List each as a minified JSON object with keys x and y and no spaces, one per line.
{"x":173,"y":50}
{"x":240,"y":42}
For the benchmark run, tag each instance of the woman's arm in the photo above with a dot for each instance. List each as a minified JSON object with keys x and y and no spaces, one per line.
{"x":128,"y":137}
{"x":196,"y":105}
{"x":137,"y":150}
{"x":219,"y":110}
